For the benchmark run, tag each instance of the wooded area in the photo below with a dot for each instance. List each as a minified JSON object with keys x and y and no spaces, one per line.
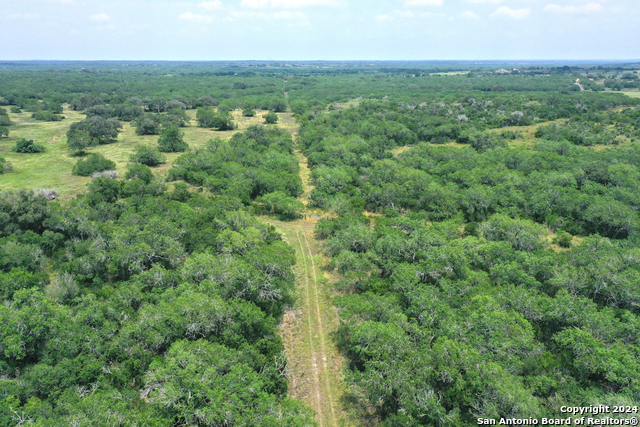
{"x":481,"y":227}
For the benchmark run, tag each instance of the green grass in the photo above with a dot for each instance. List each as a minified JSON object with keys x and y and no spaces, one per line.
{"x":52,"y":169}
{"x":632,"y":94}
{"x":449,"y":73}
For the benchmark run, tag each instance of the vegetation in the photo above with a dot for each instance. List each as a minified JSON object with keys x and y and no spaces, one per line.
{"x":92,"y":131}
{"x":481,"y":228}
{"x":28,"y":146}
{"x":286,"y":207}
{"x":147,"y":156}
{"x":171,"y":140}
{"x":5,"y":166}
{"x":220,"y":120}
{"x":94,"y":162}
{"x":455,"y":288}
{"x":270,"y":118}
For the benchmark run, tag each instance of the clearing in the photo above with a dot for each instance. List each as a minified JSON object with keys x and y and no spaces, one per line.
{"x":308,"y":328}
{"x":52,"y":169}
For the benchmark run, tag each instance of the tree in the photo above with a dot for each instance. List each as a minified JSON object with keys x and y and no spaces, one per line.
{"x":147,"y":156}
{"x":248,"y":111}
{"x":79,"y":140}
{"x":286,"y":206}
{"x":27,"y":146}
{"x":94,"y":162}
{"x":270,"y":118}
{"x":103,"y":189}
{"x":147,"y":124}
{"x":5,"y":120}
{"x":523,"y":234}
{"x":221,"y":120}
{"x":171,"y":140}
{"x":101,"y":131}
{"x":139,"y":171}
{"x":4,"y":131}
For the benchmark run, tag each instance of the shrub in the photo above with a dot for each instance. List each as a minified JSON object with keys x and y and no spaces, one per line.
{"x":94,"y":162}
{"x":270,"y":118}
{"x":5,"y":166}
{"x":103,"y":189}
{"x":5,"y":121}
{"x":138,"y":171}
{"x":171,"y":140}
{"x":47,"y":116}
{"x":148,"y":124}
{"x":27,"y":146}
{"x":15,"y":110}
{"x":285,"y":206}
{"x":147,"y":156}
{"x":4,"y":131}
{"x":563,"y":239}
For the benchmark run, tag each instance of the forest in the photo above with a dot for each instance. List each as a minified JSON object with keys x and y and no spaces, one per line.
{"x":478,"y":224}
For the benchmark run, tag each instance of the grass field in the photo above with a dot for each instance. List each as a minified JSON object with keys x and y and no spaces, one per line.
{"x":52,"y":169}
{"x":632,"y":94}
{"x":449,"y":73}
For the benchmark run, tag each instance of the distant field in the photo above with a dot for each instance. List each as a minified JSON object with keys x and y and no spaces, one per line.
{"x":632,"y":94}
{"x":449,"y":73}
{"x":52,"y":169}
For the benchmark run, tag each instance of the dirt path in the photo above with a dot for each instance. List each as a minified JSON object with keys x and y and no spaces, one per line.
{"x":315,"y":364}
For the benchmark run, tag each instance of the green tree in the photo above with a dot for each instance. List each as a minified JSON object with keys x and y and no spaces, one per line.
{"x":101,"y":130}
{"x":147,"y":156}
{"x":103,"y":189}
{"x":171,"y":140}
{"x":280,"y":203}
{"x":4,"y":131}
{"x":79,"y":140}
{"x":94,"y":162}
{"x":27,"y":146}
{"x":270,"y":118}
{"x":248,"y":111}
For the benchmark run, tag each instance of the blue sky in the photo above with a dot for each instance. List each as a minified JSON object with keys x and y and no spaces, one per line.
{"x":319,"y":29}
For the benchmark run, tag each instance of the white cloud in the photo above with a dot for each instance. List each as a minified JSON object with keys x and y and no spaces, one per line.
{"x":410,"y":3}
{"x":103,"y":17}
{"x":516,"y":14}
{"x":211,"y":5}
{"x":255,"y":4}
{"x":285,"y":4}
{"x":384,"y":18}
{"x":287,"y":14}
{"x":430,"y":15}
{"x":585,"y":8}
{"x":404,"y":13}
{"x":25,"y":16}
{"x":192,"y":17}
{"x":467,"y":14}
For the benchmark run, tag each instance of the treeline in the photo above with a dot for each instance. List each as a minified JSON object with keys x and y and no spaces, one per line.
{"x":495,"y":280}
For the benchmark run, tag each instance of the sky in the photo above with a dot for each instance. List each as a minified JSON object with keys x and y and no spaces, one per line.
{"x":319,"y":29}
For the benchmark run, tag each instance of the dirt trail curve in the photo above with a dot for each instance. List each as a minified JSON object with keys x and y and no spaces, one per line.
{"x":315,"y":365}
